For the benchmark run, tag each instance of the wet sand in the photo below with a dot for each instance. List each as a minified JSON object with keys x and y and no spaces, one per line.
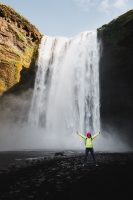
{"x":63,"y":176}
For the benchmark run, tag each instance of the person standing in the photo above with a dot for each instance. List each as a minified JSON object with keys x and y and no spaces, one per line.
{"x":89,"y":145}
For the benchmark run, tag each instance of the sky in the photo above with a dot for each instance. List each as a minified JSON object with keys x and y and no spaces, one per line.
{"x":69,"y":17}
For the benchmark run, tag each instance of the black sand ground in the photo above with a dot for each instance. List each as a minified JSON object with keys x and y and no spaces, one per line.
{"x":64,"y":177}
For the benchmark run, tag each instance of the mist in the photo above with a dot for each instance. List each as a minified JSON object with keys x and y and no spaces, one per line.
{"x":23,"y":137}
{"x":17,"y":134}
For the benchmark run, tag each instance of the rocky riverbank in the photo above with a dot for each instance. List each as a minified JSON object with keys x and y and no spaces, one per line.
{"x":63,"y":176}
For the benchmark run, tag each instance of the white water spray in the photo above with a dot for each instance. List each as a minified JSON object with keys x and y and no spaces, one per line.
{"x":66,"y":93}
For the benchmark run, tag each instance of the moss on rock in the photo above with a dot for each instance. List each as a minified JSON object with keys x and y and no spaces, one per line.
{"x":19,"y":42}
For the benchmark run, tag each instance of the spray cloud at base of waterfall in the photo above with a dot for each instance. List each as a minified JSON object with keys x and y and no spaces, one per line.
{"x":17,"y":135}
{"x":23,"y":137}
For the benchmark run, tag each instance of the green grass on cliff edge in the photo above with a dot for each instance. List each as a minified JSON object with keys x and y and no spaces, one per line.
{"x":116,"y":31}
{"x":121,"y":20}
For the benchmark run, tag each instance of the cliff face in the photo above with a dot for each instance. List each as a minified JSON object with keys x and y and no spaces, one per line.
{"x":116,"y":73}
{"x":19,"y":42}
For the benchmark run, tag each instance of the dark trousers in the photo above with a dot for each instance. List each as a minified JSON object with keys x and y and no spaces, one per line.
{"x":87,"y":150}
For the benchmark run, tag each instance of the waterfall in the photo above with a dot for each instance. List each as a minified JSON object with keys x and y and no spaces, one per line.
{"x":66,"y":92}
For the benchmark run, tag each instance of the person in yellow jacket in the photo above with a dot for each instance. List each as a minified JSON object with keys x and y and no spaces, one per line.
{"x":89,"y":144}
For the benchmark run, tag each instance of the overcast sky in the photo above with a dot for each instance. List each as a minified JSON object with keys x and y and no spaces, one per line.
{"x":69,"y":17}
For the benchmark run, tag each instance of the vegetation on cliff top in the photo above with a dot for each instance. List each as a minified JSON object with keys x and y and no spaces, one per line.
{"x":116,"y":30}
{"x":10,"y":14}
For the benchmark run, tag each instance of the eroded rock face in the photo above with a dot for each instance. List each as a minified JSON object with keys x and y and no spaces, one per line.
{"x":19,"y":42}
{"x":116,"y":73}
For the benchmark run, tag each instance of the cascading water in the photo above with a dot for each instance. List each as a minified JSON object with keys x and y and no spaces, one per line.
{"x":66,"y":93}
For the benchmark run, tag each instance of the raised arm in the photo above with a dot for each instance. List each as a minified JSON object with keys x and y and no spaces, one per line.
{"x":81,"y":135}
{"x":94,"y":136}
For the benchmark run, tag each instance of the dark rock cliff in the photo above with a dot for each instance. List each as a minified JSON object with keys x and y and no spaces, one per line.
{"x":19,"y":42}
{"x":116,"y":73}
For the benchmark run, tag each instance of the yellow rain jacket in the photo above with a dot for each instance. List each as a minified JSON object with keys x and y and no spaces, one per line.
{"x":88,"y":141}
